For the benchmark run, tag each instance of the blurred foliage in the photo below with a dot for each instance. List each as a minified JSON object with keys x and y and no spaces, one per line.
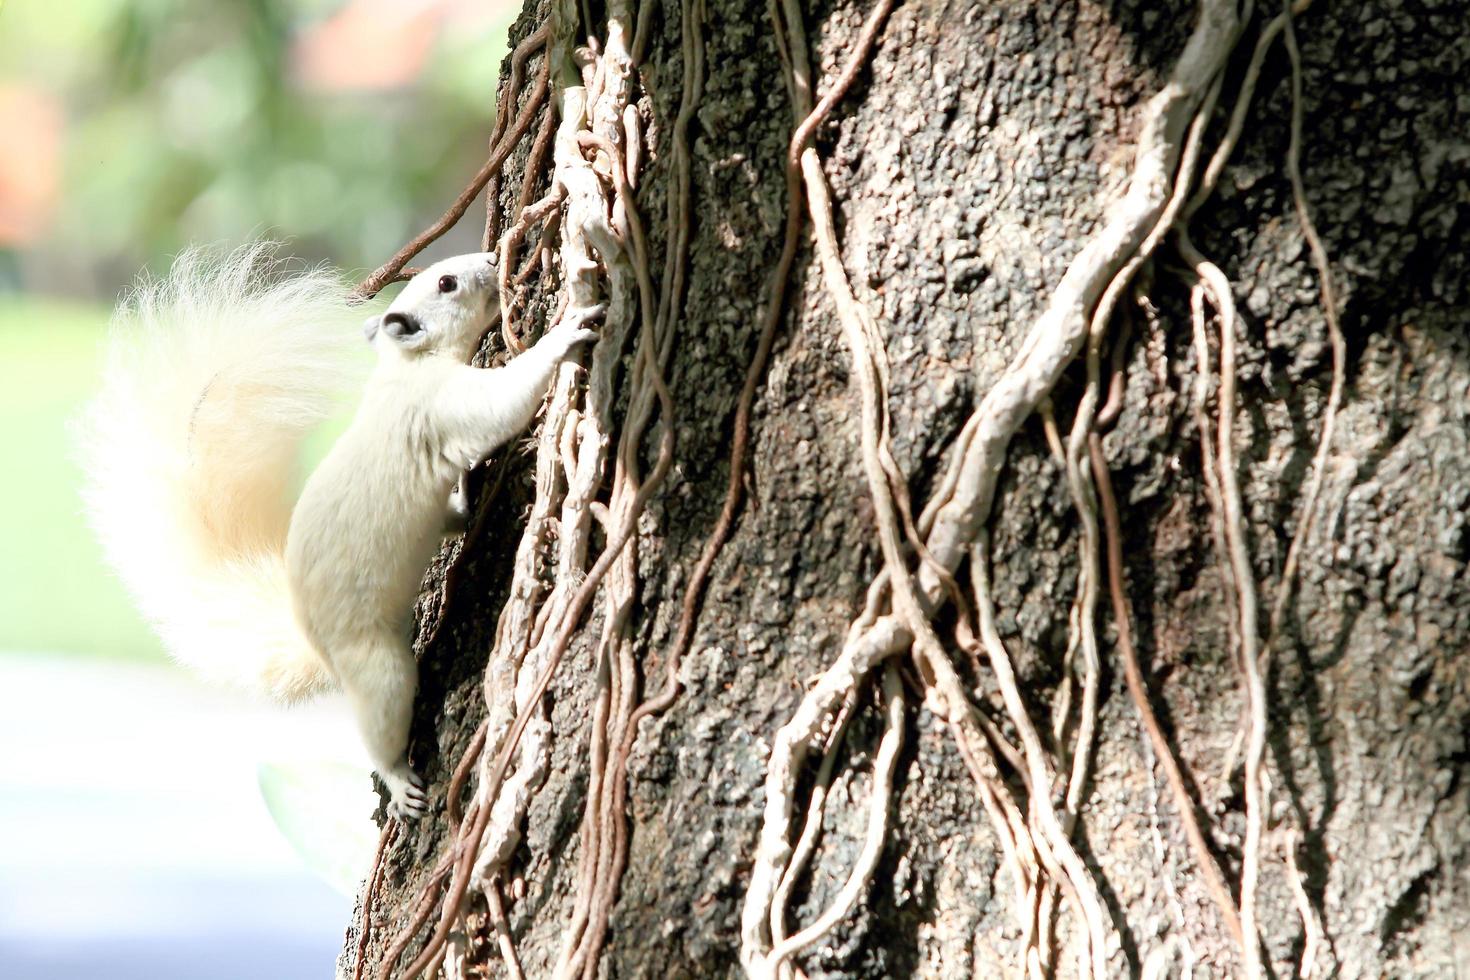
{"x":185,"y":123}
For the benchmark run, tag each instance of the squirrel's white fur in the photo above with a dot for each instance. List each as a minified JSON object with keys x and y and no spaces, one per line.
{"x":212,"y":379}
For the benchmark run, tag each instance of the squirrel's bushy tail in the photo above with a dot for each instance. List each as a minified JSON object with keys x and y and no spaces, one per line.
{"x":211,"y":380}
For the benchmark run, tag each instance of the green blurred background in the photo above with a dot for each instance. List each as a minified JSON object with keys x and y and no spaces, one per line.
{"x":136,"y":127}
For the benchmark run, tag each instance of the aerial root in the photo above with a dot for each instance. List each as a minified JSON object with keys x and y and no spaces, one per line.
{"x":1313,"y":938}
{"x":1138,"y":691}
{"x":1223,"y":493}
{"x":529,"y":215}
{"x":374,"y":880}
{"x":806,"y":844}
{"x":389,"y":271}
{"x":867,"y":859}
{"x":1330,"y":313}
{"x":533,"y":42}
{"x":503,"y":938}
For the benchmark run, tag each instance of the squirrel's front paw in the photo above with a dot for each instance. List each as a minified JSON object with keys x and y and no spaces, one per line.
{"x":580,"y":335}
{"x":409,"y":796}
{"x":570,"y":332}
{"x":573,"y":329}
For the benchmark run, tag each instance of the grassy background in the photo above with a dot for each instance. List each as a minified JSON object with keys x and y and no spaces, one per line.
{"x":55,"y":593}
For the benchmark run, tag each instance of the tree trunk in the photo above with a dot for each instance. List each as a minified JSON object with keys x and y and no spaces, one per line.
{"x":980,"y":155}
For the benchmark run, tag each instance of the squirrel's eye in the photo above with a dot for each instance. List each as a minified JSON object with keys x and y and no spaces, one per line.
{"x":448,"y":284}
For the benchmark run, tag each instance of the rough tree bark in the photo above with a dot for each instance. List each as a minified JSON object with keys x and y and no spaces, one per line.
{"x":979,"y":151}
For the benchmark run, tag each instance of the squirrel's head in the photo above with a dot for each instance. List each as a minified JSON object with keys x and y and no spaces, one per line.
{"x":445,"y":309}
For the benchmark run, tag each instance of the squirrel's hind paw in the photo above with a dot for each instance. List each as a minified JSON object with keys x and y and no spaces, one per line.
{"x":409,"y":796}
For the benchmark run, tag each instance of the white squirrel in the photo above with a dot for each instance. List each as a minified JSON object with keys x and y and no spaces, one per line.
{"x":213,"y":377}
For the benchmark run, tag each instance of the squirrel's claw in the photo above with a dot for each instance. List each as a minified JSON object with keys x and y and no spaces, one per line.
{"x":409,"y":794}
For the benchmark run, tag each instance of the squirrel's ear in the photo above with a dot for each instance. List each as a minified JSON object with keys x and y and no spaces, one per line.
{"x":405,"y":328}
{"x":370,"y":327}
